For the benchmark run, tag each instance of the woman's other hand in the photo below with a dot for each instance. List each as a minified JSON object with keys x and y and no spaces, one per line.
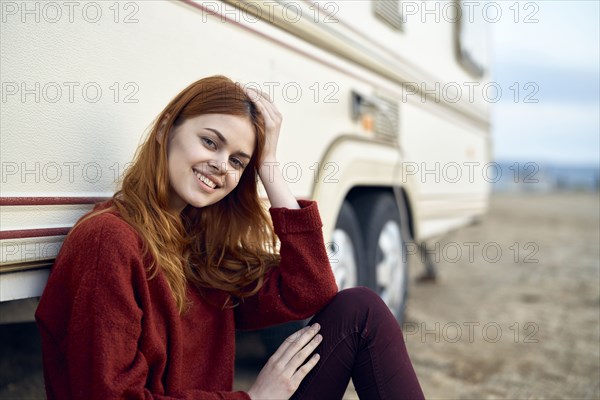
{"x":282,"y":374}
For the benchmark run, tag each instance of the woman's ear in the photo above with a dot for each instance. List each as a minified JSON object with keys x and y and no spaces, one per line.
{"x":162,"y":127}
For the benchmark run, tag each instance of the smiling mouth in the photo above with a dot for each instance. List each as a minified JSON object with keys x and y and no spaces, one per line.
{"x":206,"y":180}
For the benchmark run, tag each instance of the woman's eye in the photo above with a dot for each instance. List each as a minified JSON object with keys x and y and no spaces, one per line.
{"x":209,"y":142}
{"x":237,"y":163}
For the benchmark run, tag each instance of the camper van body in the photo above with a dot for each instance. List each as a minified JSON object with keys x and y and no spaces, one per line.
{"x":380,"y":101}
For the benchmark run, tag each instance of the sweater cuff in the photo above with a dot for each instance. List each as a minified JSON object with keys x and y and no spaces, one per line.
{"x":305,"y":219}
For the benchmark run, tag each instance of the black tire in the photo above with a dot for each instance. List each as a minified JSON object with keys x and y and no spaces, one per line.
{"x":347,"y":250}
{"x":379,"y":216}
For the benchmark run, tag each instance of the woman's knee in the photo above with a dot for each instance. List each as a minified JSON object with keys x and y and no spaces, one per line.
{"x":354,"y":308}
{"x":359,"y":297}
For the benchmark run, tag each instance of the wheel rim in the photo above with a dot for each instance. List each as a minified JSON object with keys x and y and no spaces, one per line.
{"x":391,"y":267}
{"x":341,"y":257}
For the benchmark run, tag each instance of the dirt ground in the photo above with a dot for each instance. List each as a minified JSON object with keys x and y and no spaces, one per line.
{"x":514,"y":314}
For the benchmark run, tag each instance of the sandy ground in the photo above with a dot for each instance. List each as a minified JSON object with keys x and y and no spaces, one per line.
{"x":522,"y":323}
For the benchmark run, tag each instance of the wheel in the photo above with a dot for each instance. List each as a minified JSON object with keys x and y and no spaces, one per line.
{"x":346,"y":250}
{"x":385,"y":249}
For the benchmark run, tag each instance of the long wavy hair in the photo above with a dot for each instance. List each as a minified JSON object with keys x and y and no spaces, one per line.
{"x":229,"y":245}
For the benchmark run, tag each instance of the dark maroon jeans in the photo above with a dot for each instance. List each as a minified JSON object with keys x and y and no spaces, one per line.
{"x":361,"y":340}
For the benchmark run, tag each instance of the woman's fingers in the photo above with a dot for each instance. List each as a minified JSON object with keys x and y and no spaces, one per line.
{"x":263,"y":108}
{"x":264,"y":102}
{"x":296,"y":348}
{"x":259,"y":99}
{"x":301,"y":355}
{"x":272,"y":120}
{"x":282,"y":374}
{"x":301,"y":373}
{"x":254,"y":93}
{"x":296,"y":341}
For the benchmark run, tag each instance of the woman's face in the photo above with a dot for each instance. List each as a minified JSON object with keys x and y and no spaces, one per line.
{"x":206,"y":157}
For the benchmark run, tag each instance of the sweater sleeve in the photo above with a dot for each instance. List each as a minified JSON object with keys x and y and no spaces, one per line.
{"x":302,"y":283}
{"x":98,"y":273}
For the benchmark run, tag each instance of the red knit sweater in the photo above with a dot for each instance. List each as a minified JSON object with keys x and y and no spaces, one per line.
{"x":108,"y":332}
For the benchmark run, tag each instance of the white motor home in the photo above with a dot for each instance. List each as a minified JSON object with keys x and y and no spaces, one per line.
{"x":386,"y":118}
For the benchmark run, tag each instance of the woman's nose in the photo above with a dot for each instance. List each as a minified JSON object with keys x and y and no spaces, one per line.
{"x":218,"y":166}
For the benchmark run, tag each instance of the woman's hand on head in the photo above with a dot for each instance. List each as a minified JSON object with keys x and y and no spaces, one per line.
{"x":282,"y":374}
{"x":273,"y":120}
{"x":270,"y":174}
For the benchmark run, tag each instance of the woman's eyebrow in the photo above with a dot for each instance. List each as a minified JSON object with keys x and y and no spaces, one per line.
{"x":222,"y":139}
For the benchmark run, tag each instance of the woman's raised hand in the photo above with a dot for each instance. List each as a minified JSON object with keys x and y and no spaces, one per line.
{"x":282,"y":374}
{"x":273,"y":119}
{"x":278,"y":192}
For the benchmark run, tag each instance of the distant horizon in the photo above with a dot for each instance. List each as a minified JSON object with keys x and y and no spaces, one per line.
{"x":557,"y":163}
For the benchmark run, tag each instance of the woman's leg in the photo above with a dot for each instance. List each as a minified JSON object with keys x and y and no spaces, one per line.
{"x":362,"y":340}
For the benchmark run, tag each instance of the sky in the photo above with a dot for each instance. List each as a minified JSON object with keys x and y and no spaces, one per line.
{"x":559,"y":56}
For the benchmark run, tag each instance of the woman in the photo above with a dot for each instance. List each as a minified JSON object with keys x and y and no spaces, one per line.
{"x":148,"y":289}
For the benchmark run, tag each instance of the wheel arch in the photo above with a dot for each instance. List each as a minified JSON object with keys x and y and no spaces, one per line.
{"x":365,"y":166}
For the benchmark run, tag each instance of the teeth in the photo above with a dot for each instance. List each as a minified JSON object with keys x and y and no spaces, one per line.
{"x":204,"y":179}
